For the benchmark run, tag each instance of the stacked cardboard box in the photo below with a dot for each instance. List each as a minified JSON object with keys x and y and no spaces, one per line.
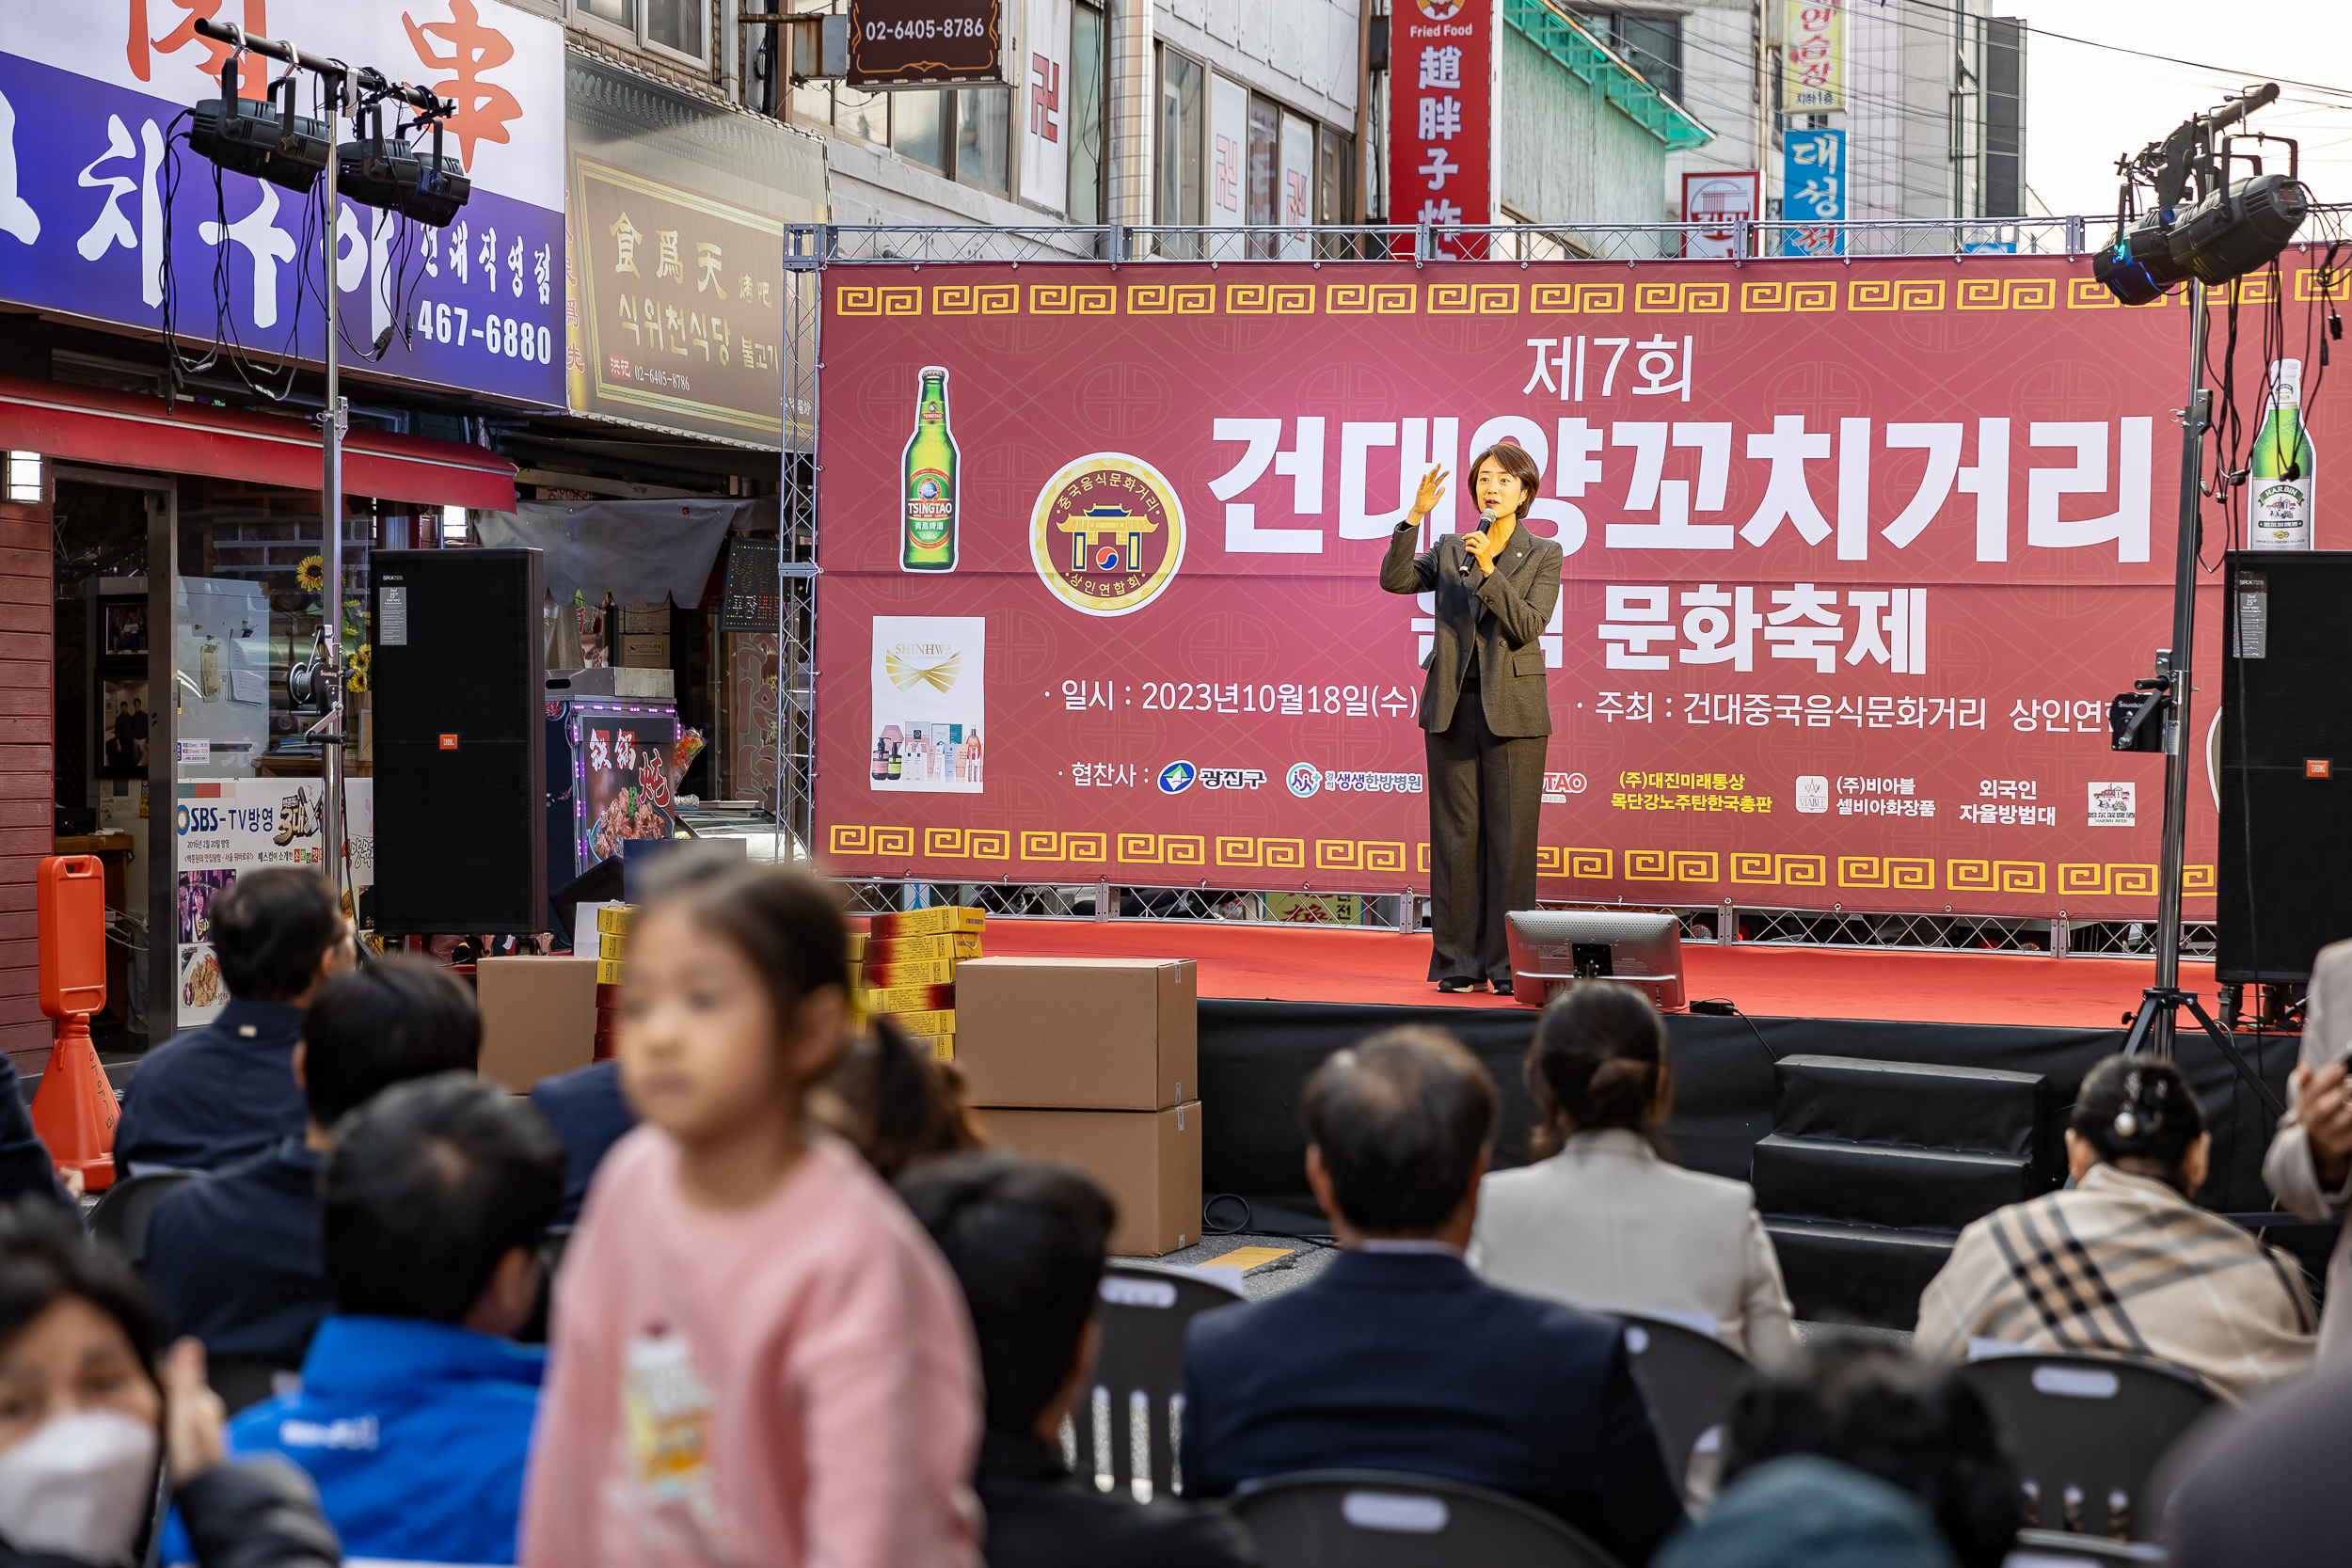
{"x":905,"y":964}
{"x":1091,"y":1061}
{"x":540,"y":1016}
{"x":612,"y":922}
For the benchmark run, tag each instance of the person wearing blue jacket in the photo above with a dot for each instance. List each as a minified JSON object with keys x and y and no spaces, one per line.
{"x":586,"y":1109}
{"x":415,"y":1411}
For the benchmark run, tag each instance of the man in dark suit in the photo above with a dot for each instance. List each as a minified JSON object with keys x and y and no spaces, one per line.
{"x":585,"y":1108}
{"x":226,"y":1092}
{"x":1026,"y":1243}
{"x":1397,"y":1358}
{"x":1485,"y":709}
{"x":235,"y":1258}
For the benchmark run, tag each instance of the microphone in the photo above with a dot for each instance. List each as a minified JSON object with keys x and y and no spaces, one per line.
{"x":1486,"y":518}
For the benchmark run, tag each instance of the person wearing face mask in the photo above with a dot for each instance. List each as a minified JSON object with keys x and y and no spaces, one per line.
{"x":1485,"y":707}
{"x":89,"y":1409}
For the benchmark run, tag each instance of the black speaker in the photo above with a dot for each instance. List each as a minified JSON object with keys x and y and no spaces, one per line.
{"x":2285,"y":762}
{"x":459,"y":677}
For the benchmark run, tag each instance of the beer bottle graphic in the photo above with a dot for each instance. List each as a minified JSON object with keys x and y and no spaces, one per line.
{"x":2283,"y":468}
{"x":930,"y":517}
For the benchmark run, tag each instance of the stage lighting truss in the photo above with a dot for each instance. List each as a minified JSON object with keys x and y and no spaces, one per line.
{"x":2227,"y":232}
{"x":261,"y":137}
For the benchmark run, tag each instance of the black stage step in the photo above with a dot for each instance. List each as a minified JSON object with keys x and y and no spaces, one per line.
{"x":1909,"y":1103}
{"x":1856,"y":1273}
{"x":1880,"y":1183}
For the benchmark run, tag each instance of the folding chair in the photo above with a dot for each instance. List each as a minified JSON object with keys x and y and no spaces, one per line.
{"x":1129,"y":1420}
{"x":1379,"y":1519}
{"x":2088,"y":1431}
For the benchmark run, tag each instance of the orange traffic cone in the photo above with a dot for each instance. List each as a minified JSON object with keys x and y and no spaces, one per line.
{"x":74,"y":1110}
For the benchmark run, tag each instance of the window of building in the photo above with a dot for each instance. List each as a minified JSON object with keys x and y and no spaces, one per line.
{"x":1265,"y":133}
{"x":678,"y":25}
{"x":1180,"y":135}
{"x":812,"y":104}
{"x":1084,"y":119}
{"x":918,"y":130}
{"x":1651,"y":44}
{"x":619,"y":13}
{"x":864,"y":115}
{"x":1335,"y":177}
{"x":2004,"y":180}
{"x":983,"y":123}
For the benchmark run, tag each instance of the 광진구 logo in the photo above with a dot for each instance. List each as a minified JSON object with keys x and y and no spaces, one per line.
{"x":1107,"y":533}
{"x":1304,"y":778}
{"x":1177,"y":777}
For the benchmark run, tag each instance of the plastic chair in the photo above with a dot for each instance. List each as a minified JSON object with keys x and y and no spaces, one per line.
{"x":1688,"y":1380}
{"x":2051,"y":1548}
{"x":1379,"y":1519}
{"x":120,"y":1217}
{"x":1137,"y":1388}
{"x":2088,"y":1431}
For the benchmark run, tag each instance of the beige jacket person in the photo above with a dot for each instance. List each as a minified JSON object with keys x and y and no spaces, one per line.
{"x":1607,"y":1226}
{"x":2123,"y":1264}
{"x":2288,"y":1168}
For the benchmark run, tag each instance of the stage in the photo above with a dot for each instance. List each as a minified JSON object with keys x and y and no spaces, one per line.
{"x":1275,"y":1001}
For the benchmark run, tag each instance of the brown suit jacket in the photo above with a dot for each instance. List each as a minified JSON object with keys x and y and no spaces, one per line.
{"x":1500,"y":616}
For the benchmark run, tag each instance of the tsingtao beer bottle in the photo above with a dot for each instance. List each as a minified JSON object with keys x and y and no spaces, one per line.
{"x":2283,"y":468}
{"x":930,"y":482}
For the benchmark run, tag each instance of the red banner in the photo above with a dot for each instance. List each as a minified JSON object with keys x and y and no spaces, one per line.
{"x":1855,"y":557}
{"x":1442,"y":146}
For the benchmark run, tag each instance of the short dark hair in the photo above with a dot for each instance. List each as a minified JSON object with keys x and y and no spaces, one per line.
{"x":45,"y":1257}
{"x":271,"y":929}
{"x":1511,"y":459}
{"x":1026,"y":1241}
{"x":2139,"y":1111}
{"x":1400,"y":1120}
{"x":1597,"y":1058}
{"x":1913,"y":1426}
{"x":428,"y":1187}
{"x":390,"y":1020}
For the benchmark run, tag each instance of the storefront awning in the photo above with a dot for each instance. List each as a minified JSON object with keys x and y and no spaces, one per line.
{"x":85,"y":424}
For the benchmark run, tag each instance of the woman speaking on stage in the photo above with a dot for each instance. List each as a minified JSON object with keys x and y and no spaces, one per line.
{"x":1484,"y":709}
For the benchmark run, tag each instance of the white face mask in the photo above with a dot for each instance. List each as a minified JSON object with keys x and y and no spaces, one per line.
{"x":80,"y":1486}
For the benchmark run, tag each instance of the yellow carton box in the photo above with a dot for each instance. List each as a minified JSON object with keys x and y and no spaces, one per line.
{"x":928,"y":1025}
{"x":910,"y":999}
{"x":608,"y":972}
{"x":945,"y":945}
{"x":857,"y":945}
{"x":614,"y":918}
{"x":940,"y":1046}
{"x":946,"y":919}
{"x":900,"y":972}
{"x":611,"y":945}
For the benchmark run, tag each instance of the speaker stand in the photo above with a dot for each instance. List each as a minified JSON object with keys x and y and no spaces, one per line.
{"x":2159,"y":1012}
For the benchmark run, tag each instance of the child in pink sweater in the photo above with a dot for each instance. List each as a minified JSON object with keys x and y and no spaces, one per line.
{"x":758,"y":1357}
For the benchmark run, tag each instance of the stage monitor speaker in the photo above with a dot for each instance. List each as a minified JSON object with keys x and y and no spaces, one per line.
{"x":459,"y":683}
{"x":2284,"y":762}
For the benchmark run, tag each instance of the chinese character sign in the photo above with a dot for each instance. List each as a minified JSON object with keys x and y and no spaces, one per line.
{"x":96,"y":181}
{"x":1441,"y":106}
{"x":1813,"y":191}
{"x":1042,"y":105}
{"x":1813,"y":55}
{"x":1855,"y":558}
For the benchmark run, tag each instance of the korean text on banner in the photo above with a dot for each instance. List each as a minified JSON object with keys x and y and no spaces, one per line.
{"x":1813,"y":52}
{"x":1441,"y":141}
{"x":234,"y":826}
{"x":89,"y":96}
{"x":1813,"y":192}
{"x":1721,"y":201}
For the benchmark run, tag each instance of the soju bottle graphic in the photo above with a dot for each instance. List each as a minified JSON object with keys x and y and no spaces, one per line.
{"x":929,"y":530}
{"x":2283,"y":468}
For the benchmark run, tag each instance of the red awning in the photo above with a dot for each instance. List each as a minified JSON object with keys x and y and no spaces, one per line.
{"x":85,"y":424}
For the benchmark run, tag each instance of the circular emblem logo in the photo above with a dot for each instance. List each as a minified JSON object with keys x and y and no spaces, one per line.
{"x":1177,"y":777}
{"x":1441,"y":10}
{"x":1304,"y":778}
{"x":1107,"y":533}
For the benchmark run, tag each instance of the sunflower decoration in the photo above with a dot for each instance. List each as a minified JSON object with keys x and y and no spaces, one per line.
{"x":312,"y":574}
{"x":355,"y":664}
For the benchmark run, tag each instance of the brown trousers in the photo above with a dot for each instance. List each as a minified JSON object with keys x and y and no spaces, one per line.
{"x":1485,"y":792}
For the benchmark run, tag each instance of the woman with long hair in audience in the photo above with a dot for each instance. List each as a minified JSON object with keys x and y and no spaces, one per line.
{"x":1601,"y":1218}
{"x":2122,"y":1260}
{"x":757,"y":1354}
{"x":94,"y":1416}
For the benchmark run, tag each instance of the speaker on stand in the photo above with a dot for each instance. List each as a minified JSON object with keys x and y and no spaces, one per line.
{"x":459,"y":679}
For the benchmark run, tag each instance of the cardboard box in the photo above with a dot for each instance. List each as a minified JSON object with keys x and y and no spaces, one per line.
{"x":881,"y":973}
{"x":911,"y":999}
{"x":1149,"y":1161}
{"x":946,"y":945}
{"x":1079,"y":1033}
{"x":642,"y":650}
{"x":538,"y":1016}
{"x":610,"y":945}
{"x":612,"y":919}
{"x":923,"y":923}
{"x":932,"y":1025}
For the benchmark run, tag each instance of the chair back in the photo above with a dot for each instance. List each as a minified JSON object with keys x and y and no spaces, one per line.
{"x":244,"y":1381}
{"x":1127,"y":1424}
{"x":1377,"y":1519}
{"x":2088,"y":1431}
{"x":1688,"y":1380}
{"x":2051,"y":1548}
{"x":120,"y":1217}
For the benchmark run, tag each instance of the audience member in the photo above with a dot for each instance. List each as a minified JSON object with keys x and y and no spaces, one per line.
{"x":223,"y":1093}
{"x":1803,"y":1512}
{"x":1396,"y":1356}
{"x":434,"y":1201}
{"x":2122,"y":1260}
{"x":588,"y":1112}
{"x":2309,"y":1167}
{"x":26,"y":1167}
{"x":87,"y":1408}
{"x":2257,"y":1489}
{"x":1026,"y":1241}
{"x":1914,"y":1427}
{"x":896,"y":1101}
{"x":1602,"y":1219}
{"x":757,"y":1355}
{"x":234,"y":1257}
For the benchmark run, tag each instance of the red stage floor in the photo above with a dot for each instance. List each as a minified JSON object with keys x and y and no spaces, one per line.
{"x":1277,"y":963}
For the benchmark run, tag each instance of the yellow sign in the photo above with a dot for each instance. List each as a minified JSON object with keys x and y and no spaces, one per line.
{"x":1813,"y":57}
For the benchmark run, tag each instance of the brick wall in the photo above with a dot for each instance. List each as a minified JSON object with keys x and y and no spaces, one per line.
{"x":28,"y":779}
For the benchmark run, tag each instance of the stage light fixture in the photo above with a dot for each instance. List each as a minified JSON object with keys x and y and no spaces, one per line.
{"x":261,"y":137}
{"x":2236,"y":229}
{"x":428,"y":186}
{"x":2136,"y":265}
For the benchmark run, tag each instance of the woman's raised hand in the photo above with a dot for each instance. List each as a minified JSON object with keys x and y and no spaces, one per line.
{"x":1432,"y":491}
